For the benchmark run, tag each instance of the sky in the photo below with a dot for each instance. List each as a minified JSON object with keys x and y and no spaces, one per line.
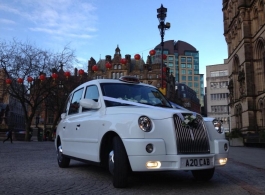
{"x":94,"y":28}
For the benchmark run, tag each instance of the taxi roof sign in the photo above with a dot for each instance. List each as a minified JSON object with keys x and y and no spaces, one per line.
{"x":129,"y":79}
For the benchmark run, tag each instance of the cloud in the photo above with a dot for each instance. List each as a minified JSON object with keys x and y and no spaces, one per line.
{"x":62,"y":33}
{"x":67,"y":18}
{"x":5,"y":21}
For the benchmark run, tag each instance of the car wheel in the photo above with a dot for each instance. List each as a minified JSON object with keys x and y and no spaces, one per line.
{"x":119,"y":164}
{"x":63,"y":161}
{"x":203,"y":175}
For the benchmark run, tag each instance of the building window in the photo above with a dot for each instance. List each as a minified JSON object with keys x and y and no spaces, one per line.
{"x":219,"y":108}
{"x":183,"y":71}
{"x":183,"y":78}
{"x":183,"y":60}
{"x":219,"y":96}
{"x":190,"y":72}
{"x":190,"y":84}
{"x":170,"y":58}
{"x":189,"y":66}
{"x":119,"y":67}
{"x":189,"y":59}
{"x":182,"y":88}
{"x":115,"y":66}
{"x":196,"y":78}
{"x":217,"y":85}
{"x":189,"y":78}
{"x":219,"y":73}
{"x":183,"y":65}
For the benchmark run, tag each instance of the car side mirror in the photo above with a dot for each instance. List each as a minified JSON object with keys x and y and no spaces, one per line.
{"x":89,"y":104}
{"x":63,"y":115}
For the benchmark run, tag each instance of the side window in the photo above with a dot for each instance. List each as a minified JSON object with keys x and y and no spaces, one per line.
{"x":74,"y":106}
{"x":92,"y":93}
{"x":67,"y":102}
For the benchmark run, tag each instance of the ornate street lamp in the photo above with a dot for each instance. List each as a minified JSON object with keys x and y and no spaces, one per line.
{"x":161,"y":15}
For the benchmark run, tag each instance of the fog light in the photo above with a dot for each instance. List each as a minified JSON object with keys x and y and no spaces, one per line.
{"x":153,"y":164}
{"x":225,"y":147}
{"x":222,"y":161}
{"x":149,"y":148}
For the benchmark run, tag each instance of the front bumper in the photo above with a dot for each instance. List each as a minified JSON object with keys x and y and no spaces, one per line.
{"x":139,"y":157}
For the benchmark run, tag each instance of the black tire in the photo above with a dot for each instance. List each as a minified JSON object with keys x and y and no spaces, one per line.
{"x":120,"y":164}
{"x":203,"y":175}
{"x":62,"y":160}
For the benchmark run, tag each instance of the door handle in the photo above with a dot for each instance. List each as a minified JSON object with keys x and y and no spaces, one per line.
{"x":78,"y":125}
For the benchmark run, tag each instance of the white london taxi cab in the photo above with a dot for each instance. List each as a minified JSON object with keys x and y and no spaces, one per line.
{"x":125,"y":125}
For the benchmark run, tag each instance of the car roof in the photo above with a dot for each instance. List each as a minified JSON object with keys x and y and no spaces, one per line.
{"x":99,"y":81}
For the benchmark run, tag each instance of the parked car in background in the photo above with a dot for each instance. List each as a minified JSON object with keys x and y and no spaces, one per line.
{"x":125,"y":125}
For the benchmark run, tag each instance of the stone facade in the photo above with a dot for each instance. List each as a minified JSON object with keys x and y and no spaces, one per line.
{"x":244,"y":31}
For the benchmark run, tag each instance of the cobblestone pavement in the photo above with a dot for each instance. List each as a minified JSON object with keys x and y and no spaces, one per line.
{"x":31,"y":168}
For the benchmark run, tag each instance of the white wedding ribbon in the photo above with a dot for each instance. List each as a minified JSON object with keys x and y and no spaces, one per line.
{"x":172,"y":110}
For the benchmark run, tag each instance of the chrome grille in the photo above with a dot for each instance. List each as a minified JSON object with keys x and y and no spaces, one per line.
{"x":191,"y":140}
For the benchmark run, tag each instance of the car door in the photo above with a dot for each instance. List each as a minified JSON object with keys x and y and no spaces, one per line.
{"x":70,"y":126}
{"x":87,"y":127}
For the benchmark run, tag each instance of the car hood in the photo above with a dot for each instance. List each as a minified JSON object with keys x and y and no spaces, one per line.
{"x":152,"y":112}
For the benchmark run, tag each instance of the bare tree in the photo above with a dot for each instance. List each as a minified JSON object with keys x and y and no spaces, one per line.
{"x":22,"y":61}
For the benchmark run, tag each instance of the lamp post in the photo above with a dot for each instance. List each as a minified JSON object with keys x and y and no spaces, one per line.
{"x":161,"y":15}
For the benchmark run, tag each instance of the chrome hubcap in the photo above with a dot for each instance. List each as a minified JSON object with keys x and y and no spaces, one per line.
{"x":111,"y":162}
{"x":60,"y":153}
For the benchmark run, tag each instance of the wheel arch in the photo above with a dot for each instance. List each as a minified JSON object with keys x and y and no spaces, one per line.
{"x":106,"y":146}
{"x":58,"y":141}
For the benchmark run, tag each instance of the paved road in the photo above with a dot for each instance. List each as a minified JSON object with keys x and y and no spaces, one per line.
{"x":31,"y":168}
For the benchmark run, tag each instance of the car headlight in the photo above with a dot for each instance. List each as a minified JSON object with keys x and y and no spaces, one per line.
{"x":218,"y":126}
{"x":145,"y":124}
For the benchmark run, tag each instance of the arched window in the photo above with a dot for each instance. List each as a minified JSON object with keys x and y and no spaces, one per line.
{"x":236,"y":67}
{"x":261,"y":113}
{"x":255,"y":21}
{"x":238,"y":115}
{"x":119,"y":66}
{"x":259,"y":66}
{"x":115,"y":66}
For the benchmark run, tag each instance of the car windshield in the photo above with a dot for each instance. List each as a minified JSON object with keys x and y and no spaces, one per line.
{"x":133,"y":93}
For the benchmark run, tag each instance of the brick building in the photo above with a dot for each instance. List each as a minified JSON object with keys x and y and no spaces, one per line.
{"x":149,"y":72}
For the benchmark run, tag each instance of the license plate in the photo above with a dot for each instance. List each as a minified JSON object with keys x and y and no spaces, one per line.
{"x":196,"y":162}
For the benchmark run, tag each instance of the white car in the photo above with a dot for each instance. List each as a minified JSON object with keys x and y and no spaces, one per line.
{"x":125,"y":125}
